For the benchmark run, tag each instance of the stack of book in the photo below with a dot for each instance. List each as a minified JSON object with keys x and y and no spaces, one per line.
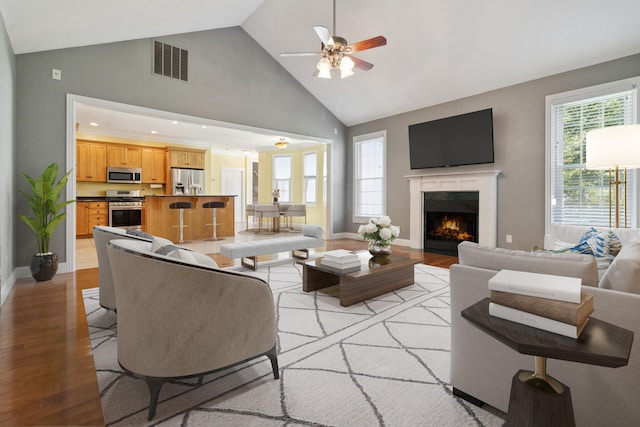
{"x":341,"y":261}
{"x":552,"y":303}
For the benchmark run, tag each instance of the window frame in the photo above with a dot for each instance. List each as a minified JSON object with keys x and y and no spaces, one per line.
{"x":579,"y":95}
{"x":306,"y":178}
{"x":286,"y":195}
{"x":361,"y":139}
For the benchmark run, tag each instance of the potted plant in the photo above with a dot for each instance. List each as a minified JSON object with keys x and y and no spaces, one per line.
{"x":45,"y":193}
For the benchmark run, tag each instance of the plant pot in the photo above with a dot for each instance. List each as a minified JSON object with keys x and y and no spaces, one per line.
{"x":378,"y":250}
{"x":44,"y":266}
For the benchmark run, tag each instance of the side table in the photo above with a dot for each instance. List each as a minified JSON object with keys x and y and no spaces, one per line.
{"x":537,"y":399}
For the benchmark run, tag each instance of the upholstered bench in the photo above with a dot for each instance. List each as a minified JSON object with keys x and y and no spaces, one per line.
{"x":299,"y":245}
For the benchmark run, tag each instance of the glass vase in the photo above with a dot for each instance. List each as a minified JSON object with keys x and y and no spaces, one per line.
{"x":379,"y":249}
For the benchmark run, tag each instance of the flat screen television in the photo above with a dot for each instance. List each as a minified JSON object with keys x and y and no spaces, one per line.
{"x":466,"y":139}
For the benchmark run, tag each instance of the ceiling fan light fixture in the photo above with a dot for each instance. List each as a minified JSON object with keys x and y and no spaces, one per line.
{"x":282,"y":144}
{"x":324,"y":68}
{"x":346,"y":67}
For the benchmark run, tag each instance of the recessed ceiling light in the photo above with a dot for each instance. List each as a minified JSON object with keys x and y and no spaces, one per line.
{"x":175,"y":122}
{"x":154,"y":132}
{"x":203,"y":127}
{"x":94,"y":124}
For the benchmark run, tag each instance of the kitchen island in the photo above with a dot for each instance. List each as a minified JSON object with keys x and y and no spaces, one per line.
{"x":160,"y":220}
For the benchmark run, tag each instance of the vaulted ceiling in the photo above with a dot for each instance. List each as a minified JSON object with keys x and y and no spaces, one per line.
{"x":437,"y":50}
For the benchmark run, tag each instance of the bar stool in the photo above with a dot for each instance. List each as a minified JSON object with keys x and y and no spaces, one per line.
{"x":214,"y":224}
{"x":182,"y":206}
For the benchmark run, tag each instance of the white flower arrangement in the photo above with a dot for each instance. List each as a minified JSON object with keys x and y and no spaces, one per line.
{"x":379,"y":230}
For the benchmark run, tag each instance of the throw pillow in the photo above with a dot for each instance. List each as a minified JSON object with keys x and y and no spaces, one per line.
{"x":624,"y":272}
{"x":158,"y":242}
{"x":614,"y":243}
{"x":599,"y":244}
{"x":139,"y":233}
{"x":176,"y":252}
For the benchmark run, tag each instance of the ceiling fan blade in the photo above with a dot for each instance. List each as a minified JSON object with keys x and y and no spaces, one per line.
{"x":361,"y":64}
{"x":325,"y":36}
{"x":301,"y":54}
{"x":368,"y":44}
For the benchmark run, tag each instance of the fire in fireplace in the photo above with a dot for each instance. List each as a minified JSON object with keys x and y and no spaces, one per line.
{"x":450,"y":217}
{"x":450,"y":229}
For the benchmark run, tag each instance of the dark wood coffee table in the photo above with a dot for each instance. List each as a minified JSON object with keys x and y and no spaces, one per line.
{"x":373,"y":279}
{"x":538,"y":399}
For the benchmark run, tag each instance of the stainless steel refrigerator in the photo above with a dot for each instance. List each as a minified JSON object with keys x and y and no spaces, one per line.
{"x":187,"y":181}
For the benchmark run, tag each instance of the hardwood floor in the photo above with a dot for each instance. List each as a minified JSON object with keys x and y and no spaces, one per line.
{"x":47,"y":374}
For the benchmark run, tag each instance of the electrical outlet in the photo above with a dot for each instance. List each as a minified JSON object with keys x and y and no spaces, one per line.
{"x":509,"y":238}
{"x":56,"y":74}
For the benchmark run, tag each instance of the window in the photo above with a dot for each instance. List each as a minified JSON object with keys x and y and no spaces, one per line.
{"x":576,"y":195}
{"x":324,"y":177}
{"x":282,"y":177}
{"x":310,"y":180}
{"x":369,"y":176}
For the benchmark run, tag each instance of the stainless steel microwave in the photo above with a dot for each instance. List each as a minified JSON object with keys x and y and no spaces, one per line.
{"x":124,"y":175}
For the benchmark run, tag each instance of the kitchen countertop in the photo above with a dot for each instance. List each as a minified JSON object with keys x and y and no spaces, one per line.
{"x":91,"y":198}
{"x":191,"y":195}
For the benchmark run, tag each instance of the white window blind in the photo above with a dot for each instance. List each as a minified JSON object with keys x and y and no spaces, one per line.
{"x":369,"y":174}
{"x":310,"y":168}
{"x":282,"y":177}
{"x":578,"y":195}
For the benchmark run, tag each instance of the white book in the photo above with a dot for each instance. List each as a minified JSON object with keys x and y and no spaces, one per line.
{"x":535,"y":321}
{"x":539,"y":285}
{"x":340,"y":255}
{"x":349,"y":264}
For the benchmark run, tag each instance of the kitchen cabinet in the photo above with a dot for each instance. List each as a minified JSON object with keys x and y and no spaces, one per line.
{"x":124,"y":156}
{"x":153,"y":166}
{"x":88,"y":215}
{"x":91,"y":161}
{"x":186,"y":159}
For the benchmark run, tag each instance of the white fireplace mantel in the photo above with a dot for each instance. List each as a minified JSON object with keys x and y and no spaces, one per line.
{"x":485,"y":182}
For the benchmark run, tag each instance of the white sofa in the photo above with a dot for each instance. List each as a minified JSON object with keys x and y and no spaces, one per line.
{"x":623,"y":272}
{"x":482,"y":367}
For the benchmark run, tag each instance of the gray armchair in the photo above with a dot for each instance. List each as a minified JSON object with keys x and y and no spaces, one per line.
{"x":179,"y":319}
{"x":101,"y":237}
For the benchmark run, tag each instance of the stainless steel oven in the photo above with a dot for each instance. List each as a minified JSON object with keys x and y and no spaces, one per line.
{"x":125,"y":209}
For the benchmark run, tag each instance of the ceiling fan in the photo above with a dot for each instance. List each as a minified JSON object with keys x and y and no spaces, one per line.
{"x":336,"y":53}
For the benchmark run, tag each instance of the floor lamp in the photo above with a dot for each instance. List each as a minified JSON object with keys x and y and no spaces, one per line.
{"x":615,"y":148}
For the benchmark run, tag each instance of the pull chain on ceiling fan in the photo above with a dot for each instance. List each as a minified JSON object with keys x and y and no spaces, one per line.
{"x":336,"y":52}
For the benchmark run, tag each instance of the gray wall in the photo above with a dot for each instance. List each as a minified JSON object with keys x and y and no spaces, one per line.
{"x":7,"y":143}
{"x":232,"y":79}
{"x":519,"y":132}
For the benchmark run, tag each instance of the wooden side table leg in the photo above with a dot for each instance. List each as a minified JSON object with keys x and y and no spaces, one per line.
{"x":539,"y":400}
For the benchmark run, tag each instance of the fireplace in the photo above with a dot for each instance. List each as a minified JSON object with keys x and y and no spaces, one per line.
{"x":483,"y":182}
{"x":450,"y":217}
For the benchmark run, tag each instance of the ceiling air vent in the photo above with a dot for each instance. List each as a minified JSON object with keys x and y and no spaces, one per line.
{"x":170,"y":61}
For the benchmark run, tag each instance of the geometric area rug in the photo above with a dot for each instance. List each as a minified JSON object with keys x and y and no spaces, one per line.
{"x":382,"y":362}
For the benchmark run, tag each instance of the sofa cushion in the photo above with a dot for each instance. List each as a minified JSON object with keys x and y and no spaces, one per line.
{"x":624,"y":272}
{"x":561,"y":264}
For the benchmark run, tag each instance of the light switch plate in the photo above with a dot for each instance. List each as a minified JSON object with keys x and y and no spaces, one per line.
{"x":56,"y":74}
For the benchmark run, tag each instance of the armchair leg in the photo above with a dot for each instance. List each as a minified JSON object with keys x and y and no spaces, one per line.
{"x":273,"y":357}
{"x":154,"y":384}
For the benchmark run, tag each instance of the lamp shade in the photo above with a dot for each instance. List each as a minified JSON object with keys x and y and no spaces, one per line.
{"x":614,"y":146}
